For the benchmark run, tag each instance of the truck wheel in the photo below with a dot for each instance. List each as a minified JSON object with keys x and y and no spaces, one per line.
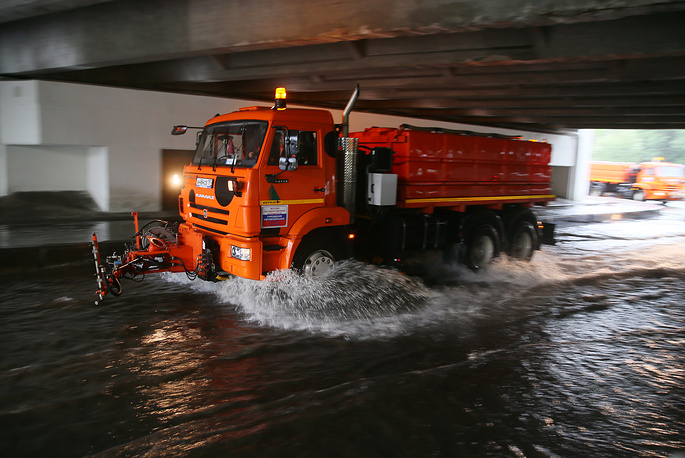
{"x":482,"y":247}
{"x":639,"y":195}
{"x":596,"y":189}
{"x":315,"y":256}
{"x":522,"y":241}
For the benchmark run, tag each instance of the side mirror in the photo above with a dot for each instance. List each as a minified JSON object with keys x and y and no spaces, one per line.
{"x":287,"y":163}
{"x":179,"y":130}
{"x":292,"y":143}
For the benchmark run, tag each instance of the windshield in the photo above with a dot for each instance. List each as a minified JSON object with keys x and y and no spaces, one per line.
{"x":670,"y":171}
{"x":230,"y":144}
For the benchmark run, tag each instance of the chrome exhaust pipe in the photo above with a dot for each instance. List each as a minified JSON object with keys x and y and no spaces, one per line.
{"x":347,"y":148}
{"x":346,"y":112}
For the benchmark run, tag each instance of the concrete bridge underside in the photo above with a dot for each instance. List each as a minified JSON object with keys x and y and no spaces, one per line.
{"x":523,"y":64}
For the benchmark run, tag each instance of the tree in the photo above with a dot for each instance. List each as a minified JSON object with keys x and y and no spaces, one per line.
{"x":639,"y":145}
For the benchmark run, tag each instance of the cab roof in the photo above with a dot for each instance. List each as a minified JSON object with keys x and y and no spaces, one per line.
{"x":276,"y":117}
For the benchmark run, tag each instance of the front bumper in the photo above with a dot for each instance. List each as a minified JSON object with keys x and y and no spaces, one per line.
{"x":250,"y":269}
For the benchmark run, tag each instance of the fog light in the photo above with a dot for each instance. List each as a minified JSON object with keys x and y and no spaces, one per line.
{"x":240,"y":253}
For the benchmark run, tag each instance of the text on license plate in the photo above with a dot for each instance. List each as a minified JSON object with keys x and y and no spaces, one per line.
{"x":204,"y":182}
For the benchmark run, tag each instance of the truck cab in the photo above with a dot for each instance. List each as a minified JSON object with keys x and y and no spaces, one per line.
{"x":261,"y":179}
{"x":659,"y":181}
{"x":655,"y":180}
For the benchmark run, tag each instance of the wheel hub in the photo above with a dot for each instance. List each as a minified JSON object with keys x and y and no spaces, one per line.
{"x":483,"y":251}
{"x":522,"y":246}
{"x":318,"y":263}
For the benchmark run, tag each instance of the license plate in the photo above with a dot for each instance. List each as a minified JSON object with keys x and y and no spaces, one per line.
{"x":204,"y":182}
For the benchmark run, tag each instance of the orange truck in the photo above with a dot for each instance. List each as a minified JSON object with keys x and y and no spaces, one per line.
{"x":274,"y":188}
{"x":656,"y":180}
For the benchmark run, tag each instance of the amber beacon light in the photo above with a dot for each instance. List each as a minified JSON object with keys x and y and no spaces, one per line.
{"x":280,"y":98}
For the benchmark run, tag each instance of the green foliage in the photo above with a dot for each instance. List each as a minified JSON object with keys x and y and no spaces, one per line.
{"x":639,"y":145}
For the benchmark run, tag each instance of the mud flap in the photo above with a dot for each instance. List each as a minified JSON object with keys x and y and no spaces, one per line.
{"x":548,"y":233}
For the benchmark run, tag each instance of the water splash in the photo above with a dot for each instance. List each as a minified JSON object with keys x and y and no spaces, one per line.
{"x":360,"y":301}
{"x":351,"y":299}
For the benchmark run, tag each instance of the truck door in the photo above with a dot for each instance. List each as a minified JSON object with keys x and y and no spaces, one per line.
{"x":286,"y":195}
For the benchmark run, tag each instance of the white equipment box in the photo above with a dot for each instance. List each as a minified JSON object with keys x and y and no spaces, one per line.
{"x":382,"y":189}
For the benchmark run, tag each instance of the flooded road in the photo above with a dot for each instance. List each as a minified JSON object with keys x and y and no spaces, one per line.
{"x":578,"y":353}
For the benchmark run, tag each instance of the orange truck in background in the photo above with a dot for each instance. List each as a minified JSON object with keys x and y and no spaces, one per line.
{"x":274,"y":188}
{"x":656,"y":180}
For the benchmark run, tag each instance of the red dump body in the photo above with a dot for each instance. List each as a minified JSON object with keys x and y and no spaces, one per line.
{"x":448,"y":169}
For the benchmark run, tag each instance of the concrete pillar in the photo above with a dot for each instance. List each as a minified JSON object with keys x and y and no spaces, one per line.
{"x":97,"y":175}
{"x":580,"y":172}
{"x":4,"y":186}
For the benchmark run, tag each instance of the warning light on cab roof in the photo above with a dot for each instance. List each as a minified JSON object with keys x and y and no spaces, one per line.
{"x":280,"y":98}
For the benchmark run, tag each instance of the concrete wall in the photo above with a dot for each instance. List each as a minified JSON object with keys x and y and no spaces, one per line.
{"x":108,"y":141}
{"x":52,"y":168}
{"x":102,"y":140}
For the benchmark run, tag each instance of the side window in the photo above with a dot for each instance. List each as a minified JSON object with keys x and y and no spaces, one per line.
{"x":307,"y":152}
{"x":277,"y":147}
{"x":303,"y":142}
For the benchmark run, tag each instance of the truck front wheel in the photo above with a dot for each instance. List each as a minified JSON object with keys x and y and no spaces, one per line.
{"x":639,"y":195}
{"x":315,"y":256}
{"x":482,"y":247}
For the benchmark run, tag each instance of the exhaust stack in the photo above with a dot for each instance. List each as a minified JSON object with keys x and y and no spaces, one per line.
{"x":348,"y":148}
{"x":346,"y":112}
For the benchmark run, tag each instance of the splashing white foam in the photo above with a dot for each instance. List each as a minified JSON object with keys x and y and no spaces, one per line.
{"x":358,"y":300}
{"x":352,"y":299}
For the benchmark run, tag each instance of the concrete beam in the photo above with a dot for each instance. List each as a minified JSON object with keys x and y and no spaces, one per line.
{"x":126,"y":31}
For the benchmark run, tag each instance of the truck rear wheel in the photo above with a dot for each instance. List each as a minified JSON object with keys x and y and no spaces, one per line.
{"x":639,"y":195}
{"x":315,"y":256}
{"x":597,"y":189}
{"x":522,"y":241}
{"x":482,"y":247}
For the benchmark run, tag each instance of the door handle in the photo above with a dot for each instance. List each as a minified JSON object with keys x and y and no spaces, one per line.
{"x":319,"y":189}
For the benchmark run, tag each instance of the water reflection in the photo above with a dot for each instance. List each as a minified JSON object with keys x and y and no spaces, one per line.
{"x":58,"y":234}
{"x":617,"y":367}
{"x":570,"y":355}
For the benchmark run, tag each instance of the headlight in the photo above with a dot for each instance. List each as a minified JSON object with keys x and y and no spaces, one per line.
{"x":243,"y":254}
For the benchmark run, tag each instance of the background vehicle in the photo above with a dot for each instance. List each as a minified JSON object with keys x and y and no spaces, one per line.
{"x":654,"y":180}
{"x":279,"y":188}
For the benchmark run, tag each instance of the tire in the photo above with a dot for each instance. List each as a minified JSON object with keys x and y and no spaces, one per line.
{"x":596,"y":189}
{"x":639,"y":195}
{"x":482,"y":247}
{"x":315,"y":256}
{"x":522,"y":241}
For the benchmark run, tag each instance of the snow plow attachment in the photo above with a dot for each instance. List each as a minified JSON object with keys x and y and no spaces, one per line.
{"x":157,"y":247}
